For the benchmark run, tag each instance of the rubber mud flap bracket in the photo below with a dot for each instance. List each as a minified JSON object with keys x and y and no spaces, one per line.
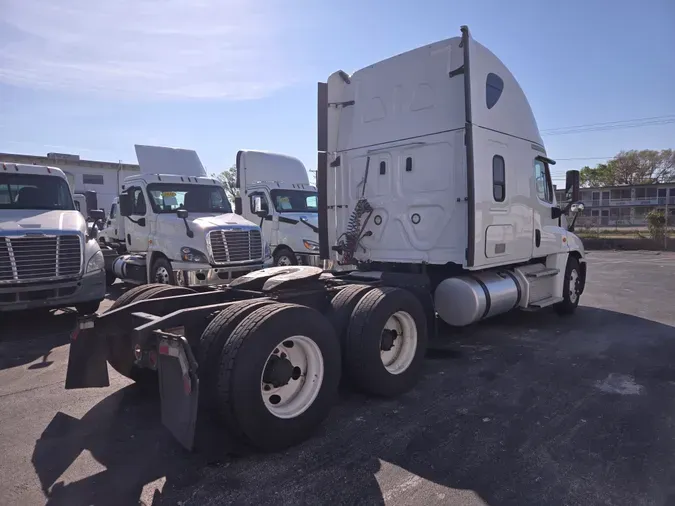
{"x":87,"y":358}
{"x":178,"y":388}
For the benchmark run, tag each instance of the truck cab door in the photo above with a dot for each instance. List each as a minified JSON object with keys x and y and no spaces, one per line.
{"x":136,"y":225}
{"x":266,"y":224}
{"x":547,"y":237}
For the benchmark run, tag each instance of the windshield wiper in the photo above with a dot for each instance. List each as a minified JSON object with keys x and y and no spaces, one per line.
{"x":304,"y":220}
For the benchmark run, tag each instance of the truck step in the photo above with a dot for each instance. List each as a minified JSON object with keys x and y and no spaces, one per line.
{"x":549,"y":301}
{"x":546,"y":273}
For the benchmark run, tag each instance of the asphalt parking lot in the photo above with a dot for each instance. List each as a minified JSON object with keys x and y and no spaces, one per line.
{"x":529,"y":408}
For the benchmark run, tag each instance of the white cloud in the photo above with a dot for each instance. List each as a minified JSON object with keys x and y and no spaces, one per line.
{"x":227,"y":49}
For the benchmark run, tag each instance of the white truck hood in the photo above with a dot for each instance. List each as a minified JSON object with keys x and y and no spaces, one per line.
{"x":32,"y":220}
{"x":222,"y":220}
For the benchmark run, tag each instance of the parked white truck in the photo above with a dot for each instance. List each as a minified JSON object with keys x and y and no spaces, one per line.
{"x":49,"y":257}
{"x":175,"y":226}
{"x":434,"y":186}
{"x":288,"y":203}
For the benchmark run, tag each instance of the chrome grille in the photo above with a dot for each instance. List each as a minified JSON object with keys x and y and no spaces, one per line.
{"x":40,"y":257}
{"x":235,"y":245}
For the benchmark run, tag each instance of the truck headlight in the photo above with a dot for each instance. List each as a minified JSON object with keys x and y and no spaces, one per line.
{"x":310,"y":245}
{"x":95,"y":263}
{"x":188,"y":254}
{"x":268,"y":252}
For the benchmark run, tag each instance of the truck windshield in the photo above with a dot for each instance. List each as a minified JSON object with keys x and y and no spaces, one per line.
{"x":33,"y":191}
{"x":294,"y":201}
{"x":167,"y":197}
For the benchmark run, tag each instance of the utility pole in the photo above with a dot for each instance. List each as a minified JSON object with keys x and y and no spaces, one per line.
{"x":665,"y":235}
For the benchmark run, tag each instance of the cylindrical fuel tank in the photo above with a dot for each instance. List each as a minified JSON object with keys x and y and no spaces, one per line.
{"x":118,"y":266}
{"x":467,"y":299}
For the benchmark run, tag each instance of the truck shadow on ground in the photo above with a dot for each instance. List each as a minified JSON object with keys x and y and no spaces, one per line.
{"x":525,"y":409}
{"x":26,"y":336}
{"x":29,"y":335}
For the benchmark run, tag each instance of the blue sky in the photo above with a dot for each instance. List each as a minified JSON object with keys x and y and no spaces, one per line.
{"x":94,"y":78}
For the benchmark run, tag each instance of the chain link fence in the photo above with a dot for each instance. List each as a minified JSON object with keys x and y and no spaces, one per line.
{"x":628,"y":231}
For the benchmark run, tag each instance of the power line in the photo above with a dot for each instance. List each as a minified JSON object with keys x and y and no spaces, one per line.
{"x":584,"y":158}
{"x":611,"y":125}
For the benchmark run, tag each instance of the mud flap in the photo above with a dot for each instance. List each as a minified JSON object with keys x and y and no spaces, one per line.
{"x":178,"y":388}
{"x":87,"y":358}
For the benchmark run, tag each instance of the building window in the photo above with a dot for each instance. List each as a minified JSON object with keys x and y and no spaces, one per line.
{"x":542,"y":181}
{"x":493,"y":89}
{"x":498,"y":179}
{"x":92,"y":179}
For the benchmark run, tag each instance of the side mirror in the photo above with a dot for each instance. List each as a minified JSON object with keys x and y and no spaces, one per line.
{"x":556,"y":213}
{"x":125,"y":204}
{"x":237,"y":205}
{"x":572,"y":186}
{"x":259,"y":208}
{"x":97,"y":214}
{"x":182,"y":213}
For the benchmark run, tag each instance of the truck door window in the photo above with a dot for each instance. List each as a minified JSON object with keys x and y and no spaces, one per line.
{"x":113,"y":211}
{"x":542,"y":180}
{"x":138,"y":207}
{"x":498,"y":179}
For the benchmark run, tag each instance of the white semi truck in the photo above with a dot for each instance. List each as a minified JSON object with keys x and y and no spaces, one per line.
{"x":434,"y":186}
{"x":49,"y":257}
{"x":175,"y":226}
{"x":288,"y":203}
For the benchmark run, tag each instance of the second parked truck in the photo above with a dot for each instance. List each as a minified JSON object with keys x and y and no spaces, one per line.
{"x":173,"y":225}
{"x":435,"y":200}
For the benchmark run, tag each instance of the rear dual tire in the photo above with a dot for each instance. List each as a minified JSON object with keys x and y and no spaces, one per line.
{"x":385,"y":344}
{"x":277,"y":374}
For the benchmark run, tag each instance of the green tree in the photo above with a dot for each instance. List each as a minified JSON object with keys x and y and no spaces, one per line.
{"x":646,"y":166}
{"x":228,"y":179}
{"x":656,"y":220}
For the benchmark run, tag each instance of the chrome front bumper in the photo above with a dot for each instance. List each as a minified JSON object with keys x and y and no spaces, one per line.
{"x":308,"y":259}
{"x":209,"y":276}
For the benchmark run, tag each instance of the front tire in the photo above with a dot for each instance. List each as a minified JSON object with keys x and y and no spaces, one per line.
{"x":162,"y":272}
{"x":279,"y":375}
{"x":386,"y":342}
{"x":284,"y":257}
{"x":571,"y":288}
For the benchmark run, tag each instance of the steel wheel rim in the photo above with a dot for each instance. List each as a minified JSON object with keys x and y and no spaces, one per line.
{"x":299,"y":393}
{"x":162,"y":276}
{"x":284,"y":261}
{"x":573,"y":287}
{"x":398,"y":358}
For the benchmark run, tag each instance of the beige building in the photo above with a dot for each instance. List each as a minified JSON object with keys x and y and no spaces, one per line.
{"x":624,"y":206}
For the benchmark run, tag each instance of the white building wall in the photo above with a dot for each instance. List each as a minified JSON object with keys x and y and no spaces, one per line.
{"x":106,"y":191}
